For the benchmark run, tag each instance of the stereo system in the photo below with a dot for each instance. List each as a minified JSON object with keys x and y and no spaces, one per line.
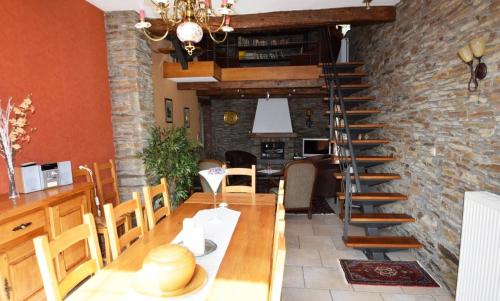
{"x":32,"y":177}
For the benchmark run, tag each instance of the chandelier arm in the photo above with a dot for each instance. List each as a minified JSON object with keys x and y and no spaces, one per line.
{"x":215,"y":40}
{"x":153,"y":38}
{"x":207,"y":25}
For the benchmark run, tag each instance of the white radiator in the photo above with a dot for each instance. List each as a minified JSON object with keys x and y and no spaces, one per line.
{"x":479,"y":267}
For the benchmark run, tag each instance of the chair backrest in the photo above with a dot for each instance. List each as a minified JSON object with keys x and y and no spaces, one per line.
{"x":80,"y":176}
{"x":278,"y":264}
{"x":250,"y":172}
{"x":281,"y":192}
{"x":237,"y":158}
{"x":46,"y":252}
{"x":118,"y":243}
{"x":106,"y":183}
{"x":204,"y":165}
{"x":150,"y":194}
{"x":300,"y":177}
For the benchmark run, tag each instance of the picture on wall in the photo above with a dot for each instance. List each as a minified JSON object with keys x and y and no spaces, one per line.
{"x":187,"y":118}
{"x":169,"y":110}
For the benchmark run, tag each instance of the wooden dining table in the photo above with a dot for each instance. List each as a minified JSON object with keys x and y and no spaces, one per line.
{"x":245,"y":271}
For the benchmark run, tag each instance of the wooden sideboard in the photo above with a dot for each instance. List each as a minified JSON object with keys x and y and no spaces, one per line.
{"x":49,"y":212}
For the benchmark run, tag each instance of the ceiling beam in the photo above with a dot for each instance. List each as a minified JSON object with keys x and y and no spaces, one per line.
{"x":303,"y":18}
{"x":252,"y":84}
{"x":260,"y":93}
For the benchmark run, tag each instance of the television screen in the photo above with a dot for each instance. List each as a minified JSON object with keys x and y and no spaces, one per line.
{"x":312,"y":147}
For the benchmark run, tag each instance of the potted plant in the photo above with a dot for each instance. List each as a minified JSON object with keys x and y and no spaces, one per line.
{"x":170,"y":154}
{"x":13,"y":133}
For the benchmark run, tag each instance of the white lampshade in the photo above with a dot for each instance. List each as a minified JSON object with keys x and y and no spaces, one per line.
{"x":465,"y":54}
{"x":189,"y":31}
{"x":477,"y":45}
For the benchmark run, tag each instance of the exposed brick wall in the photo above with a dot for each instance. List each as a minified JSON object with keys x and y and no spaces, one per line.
{"x":236,"y":137}
{"x":446,"y":138}
{"x":130,"y":80}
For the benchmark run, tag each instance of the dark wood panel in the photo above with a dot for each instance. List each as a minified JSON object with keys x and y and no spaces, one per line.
{"x":303,"y":18}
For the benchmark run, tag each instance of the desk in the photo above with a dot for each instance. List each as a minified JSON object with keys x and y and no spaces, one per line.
{"x":245,"y":270}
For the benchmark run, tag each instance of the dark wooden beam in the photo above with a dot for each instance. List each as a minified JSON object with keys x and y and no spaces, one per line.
{"x":303,"y":18}
{"x":253,"y":84}
{"x":260,"y":93}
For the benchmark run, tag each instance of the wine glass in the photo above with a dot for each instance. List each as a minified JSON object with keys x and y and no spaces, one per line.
{"x":214,"y":177}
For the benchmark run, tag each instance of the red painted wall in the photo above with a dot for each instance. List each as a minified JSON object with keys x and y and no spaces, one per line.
{"x":56,"y":50}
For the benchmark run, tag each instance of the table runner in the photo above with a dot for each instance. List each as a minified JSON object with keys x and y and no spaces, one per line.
{"x":221,"y":234}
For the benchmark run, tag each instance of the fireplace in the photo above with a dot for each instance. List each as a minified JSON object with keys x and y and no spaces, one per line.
{"x":272,"y":150}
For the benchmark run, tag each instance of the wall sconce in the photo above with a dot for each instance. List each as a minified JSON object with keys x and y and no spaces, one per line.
{"x":467,"y":53}
{"x":309,"y":121}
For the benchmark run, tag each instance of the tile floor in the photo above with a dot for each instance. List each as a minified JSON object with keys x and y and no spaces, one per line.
{"x":312,"y":271}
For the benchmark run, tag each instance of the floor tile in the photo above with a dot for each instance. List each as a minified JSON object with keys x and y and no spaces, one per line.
{"x":325,"y":278}
{"x":330,"y":258}
{"x":301,"y":257}
{"x":401,"y":256}
{"x":355,"y":296}
{"x":377,"y":288}
{"x":323,"y":230}
{"x":438,"y":291}
{"x":300,"y":294}
{"x":332,"y":219}
{"x":299,"y":229}
{"x":298,"y":219}
{"x":444,"y":298}
{"x":316,"y":242}
{"x":292,"y":241}
{"x":293,"y":277}
{"x":402,"y":297}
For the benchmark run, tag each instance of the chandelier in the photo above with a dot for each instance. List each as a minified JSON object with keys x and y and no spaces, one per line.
{"x":190,"y":18}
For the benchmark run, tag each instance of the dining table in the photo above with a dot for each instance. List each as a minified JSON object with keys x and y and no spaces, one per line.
{"x":245,"y":270}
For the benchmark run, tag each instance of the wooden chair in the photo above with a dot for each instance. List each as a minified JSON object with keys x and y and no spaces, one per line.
{"x":46,"y":252}
{"x":107,"y":185}
{"x":278,"y":264}
{"x":300,"y":178}
{"x":107,"y":191}
{"x":150,"y":193}
{"x":124,"y":209}
{"x":239,"y":172}
{"x":82,"y":176}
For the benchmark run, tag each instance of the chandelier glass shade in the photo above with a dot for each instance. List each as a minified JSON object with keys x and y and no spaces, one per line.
{"x":189,"y":18}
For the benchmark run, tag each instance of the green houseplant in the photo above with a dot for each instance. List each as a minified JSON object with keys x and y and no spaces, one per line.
{"x":172,"y":155}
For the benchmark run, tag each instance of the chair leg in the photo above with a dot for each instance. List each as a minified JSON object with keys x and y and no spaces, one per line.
{"x":309,"y":212}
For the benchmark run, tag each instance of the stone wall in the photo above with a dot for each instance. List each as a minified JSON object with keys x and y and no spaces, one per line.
{"x":130,"y":80}
{"x":446,"y":138}
{"x":222,"y":137}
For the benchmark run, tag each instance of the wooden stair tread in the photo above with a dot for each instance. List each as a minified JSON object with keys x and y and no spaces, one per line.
{"x":354,"y":98}
{"x":350,"y":86}
{"x":382,"y":242}
{"x":341,"y":64}
{"x":357,"y":112}
{"x":371,"y":176}
{"x":381,"y":218}
{"x":363,"y":126}
{"x":375,"y":196}
{"x":367,"y":141}
{"x":369,"y":158}
{"x":348,"y":74}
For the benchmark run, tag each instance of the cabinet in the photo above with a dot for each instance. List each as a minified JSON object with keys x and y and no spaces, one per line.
{"x":45,"y":212}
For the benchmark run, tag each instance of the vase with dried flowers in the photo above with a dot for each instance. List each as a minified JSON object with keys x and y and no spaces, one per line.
{"x":13,"y":134}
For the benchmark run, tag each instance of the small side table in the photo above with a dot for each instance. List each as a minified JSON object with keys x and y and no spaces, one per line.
{"x":269,"y":177}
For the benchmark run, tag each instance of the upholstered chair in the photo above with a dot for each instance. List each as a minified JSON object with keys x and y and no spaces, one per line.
{"x":300,"y":177}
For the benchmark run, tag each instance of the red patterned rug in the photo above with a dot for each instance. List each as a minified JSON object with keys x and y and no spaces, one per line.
{"x":398,"y":273}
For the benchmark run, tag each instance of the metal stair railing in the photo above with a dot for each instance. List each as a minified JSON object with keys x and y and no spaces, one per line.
{"x":337,"y":108}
